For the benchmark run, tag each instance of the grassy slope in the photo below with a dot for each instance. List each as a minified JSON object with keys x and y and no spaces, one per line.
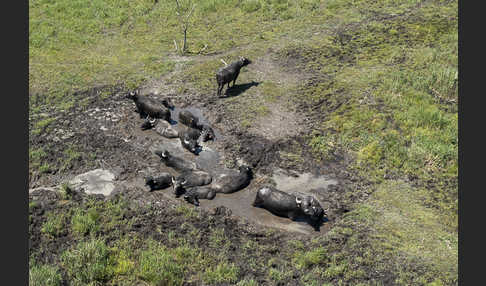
{"x":384,"y":76}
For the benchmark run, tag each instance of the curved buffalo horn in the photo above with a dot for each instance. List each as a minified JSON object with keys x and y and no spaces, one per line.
{"x":183,"y":182}
{"x":152,"y":121}
{"x":298,"y":201}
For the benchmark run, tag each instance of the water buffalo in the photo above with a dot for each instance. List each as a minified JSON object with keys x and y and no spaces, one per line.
{"x":230,"y":73}
{"x":167,"y":103}
{"x":233,"y":181}
{"x":192,"y":195}
{"x":207,"y":132}
{"x":147,"y":106}
{"x":179,"y":164}
{"x":188,"y":119}
{"x":149,"y":123}
{"x":163,"y":128}
{"x":162,"y":181}
{"x":189,"y":179}
{"x":289,"y":205}
{"x":223,"y":183}
{"x":187,"y":139}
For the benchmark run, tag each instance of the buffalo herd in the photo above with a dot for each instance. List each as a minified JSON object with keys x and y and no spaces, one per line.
{"x":193,"y":183}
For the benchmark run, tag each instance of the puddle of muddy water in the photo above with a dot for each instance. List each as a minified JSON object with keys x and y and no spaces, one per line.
{"x":241,"y":202}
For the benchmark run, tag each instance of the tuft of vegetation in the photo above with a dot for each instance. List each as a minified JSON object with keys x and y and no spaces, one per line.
{"x":66,"y":191}
{"x":85,"y":222}
{"x":305,"y":259}
{"x":162,"y":266}
{"x":221,"y":273}
{"x":88,"y":262}
{"x":54,"y":225}
{"x":187,"y":211}
{"x":44,"y":275}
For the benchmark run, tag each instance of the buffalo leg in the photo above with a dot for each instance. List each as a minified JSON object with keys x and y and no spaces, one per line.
{"x":220,"y":89}
{"x":236,"y":76}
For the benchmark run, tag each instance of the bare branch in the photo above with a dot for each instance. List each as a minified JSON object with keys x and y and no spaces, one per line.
{"x":189,"y":15}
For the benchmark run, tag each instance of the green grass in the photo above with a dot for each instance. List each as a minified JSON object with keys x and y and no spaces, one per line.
{"x":71,"y":154}
{"x":75,"y":45}
{"x":44,"y":275}
{"x":88,"y":262}
{"x":85,"y":222}
{"x":54,"y":224}
{"x":187,"y":211}
{"x":221,"y":273}
{"x":305,"y":259}
{"x":160,"y":265}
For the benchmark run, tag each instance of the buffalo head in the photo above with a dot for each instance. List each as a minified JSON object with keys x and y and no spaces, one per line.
{"x":244,"y":61}
{"x":310,"y":207}
{"x":178,"y":186}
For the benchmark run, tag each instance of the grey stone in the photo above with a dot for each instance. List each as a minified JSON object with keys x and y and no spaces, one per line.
{"x":97,"y":181}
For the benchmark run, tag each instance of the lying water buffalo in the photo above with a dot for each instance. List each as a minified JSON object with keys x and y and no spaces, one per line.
{"x":149,"y":123}
{"x":147,"y":106}
{"x":192,"y":195}
{"x":207,"y":132}
{"x":288,"y":205}
{"x":163,"y":128}
{"x":188,"y":119}
{"x":232,"y":181}
{"x":223,"y":183}
{"x":167,"y":103}
{"x":160,"y":182}
{"x":189,"y":179}
{"x":179,"y":164}
{"x":230,"y":73}
{"x":188,"y":139}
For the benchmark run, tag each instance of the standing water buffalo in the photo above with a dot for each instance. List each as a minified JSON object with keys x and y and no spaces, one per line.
{"x":287,"y":205}
{"x":162,"y":181}
{"x":175,"y":162}
{"x":230,"y":73}
{"x":147,"y":106}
